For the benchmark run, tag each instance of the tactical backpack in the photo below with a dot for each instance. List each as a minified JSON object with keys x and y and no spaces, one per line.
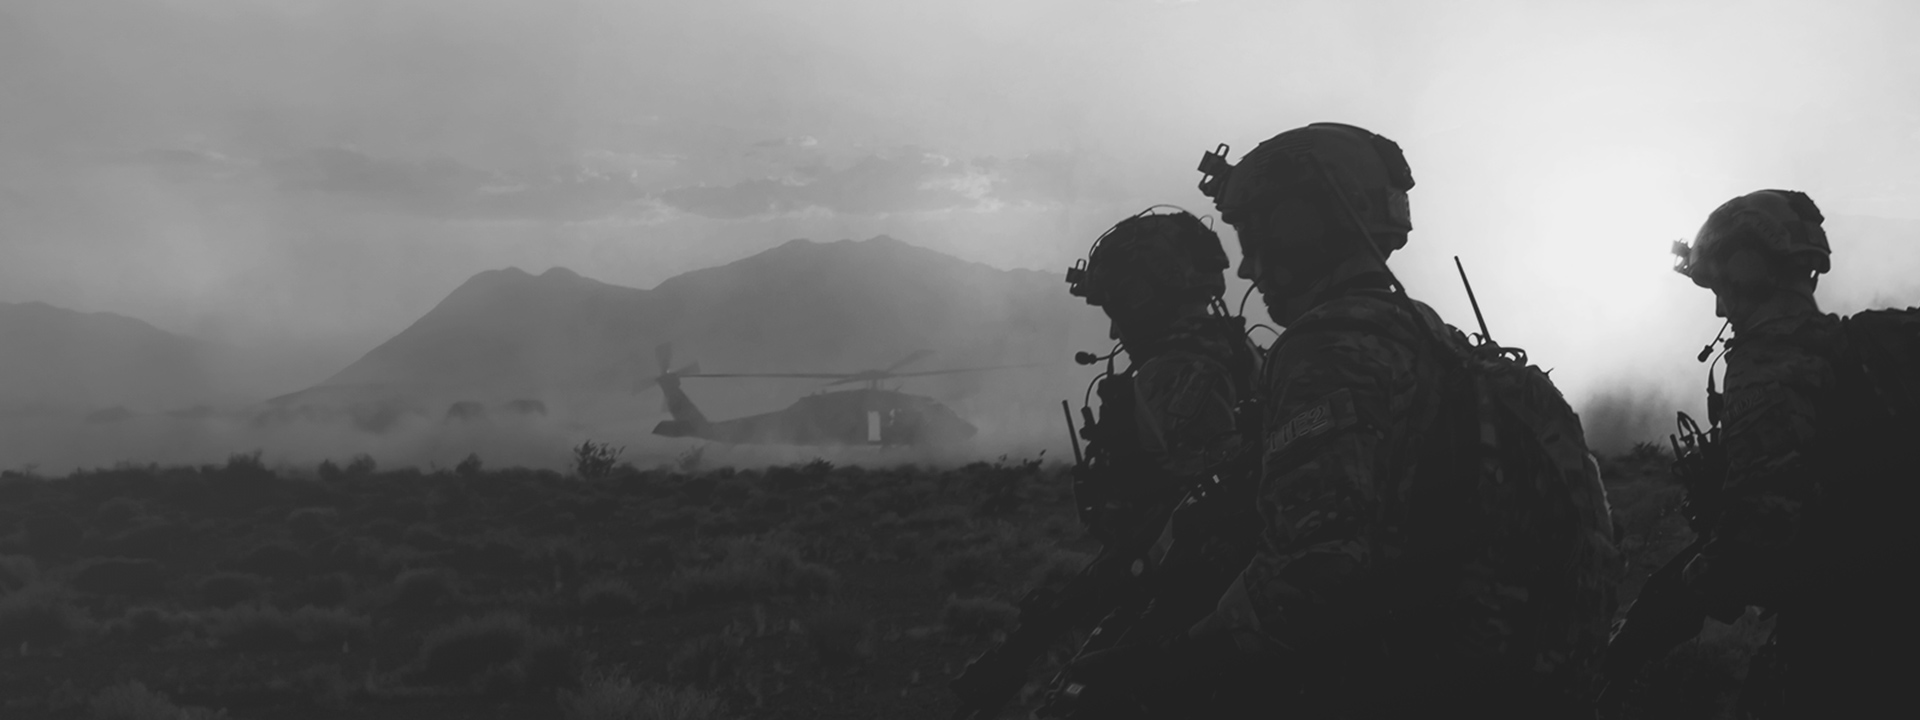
{"x":1517,"y":487}
{"x":1886,"y":346}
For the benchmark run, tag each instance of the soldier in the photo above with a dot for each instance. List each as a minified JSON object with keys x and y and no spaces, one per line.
{"x":1159,"y":280}
{"x":1167,"y":425}
{"x":1806,"y":522}
{"x":1388,"y":584}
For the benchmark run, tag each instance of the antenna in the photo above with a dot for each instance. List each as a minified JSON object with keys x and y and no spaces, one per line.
{"x":1477,"y":317}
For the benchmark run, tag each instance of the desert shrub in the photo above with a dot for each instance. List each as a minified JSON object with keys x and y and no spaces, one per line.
{"x":145,"y":627}
{"x":121,"y":576}
{"x":608,"y":597}
{"x":706,"y":661}
{"x":977,"y":617}
{"x":610,"y":695}
{"x":153,"y":539}
{"x":838,"y":636}
{"x":595,"y":460}
{"x":263,"y":627}
{"x":1058,"y":566}
{"x":116,"y":513}
{"x":17,"y":571}
{"x":329,"y":590}
{"x":963,"y":570}
{"x":423,"y":536}
{"x":424,"y":590}
{"x":310,"y":524}
{"x":39,"y":615}
{"x":227,"y":589}
{"x":53,"y":534}
{"x":471,"y":649}
{"x":752,"y":568}
{"x":276,"y":560}
{"x":133,"y":701}
{"x":360,"y":465}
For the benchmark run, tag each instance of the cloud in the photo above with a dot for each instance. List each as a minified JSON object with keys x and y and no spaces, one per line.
{"x":901,"y":181}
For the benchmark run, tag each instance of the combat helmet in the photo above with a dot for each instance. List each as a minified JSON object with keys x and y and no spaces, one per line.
{"x":1151,"y":258}
{"x":1366,"y":172}
{"x":1780,"y":229}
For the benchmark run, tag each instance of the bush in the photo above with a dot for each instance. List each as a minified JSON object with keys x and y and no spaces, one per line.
{"x":116,"y":513}
{"x":610,"y":695}
{"x":978,"y":617}
{"x":706,"y":660}
{"x":962,"y":571}
{"x":145,"y":627}
{"x":38,"y":615}
{"x":360,"y":465}
{"x":751,"y":569}
{"x":227,"y":589}
{"x":53,"y":534}
{"x":423,"y":591}
{"x":309,"y":525}
{"x":608,"y":597}
{"x":17,"y":571}
{"x":838,"y":636}
{"x":260,"y":627}
{"x":120,"y":576}
{"x":275,"y":560}
{"x":468,"y":467}
{"x":468,"y":649}
{"x":595,"y":460}
{"x":133,"y":701}
{"x":329,"y":590}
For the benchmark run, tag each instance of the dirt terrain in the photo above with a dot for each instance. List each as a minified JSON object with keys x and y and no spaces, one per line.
{"x":806,"y":591}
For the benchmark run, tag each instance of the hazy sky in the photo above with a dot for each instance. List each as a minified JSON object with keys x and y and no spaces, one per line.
{"x":318,"y":173}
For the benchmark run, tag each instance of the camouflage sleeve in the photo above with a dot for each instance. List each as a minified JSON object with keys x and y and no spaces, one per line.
{"x":1185,"y":406}
{"x":1772,"y":421}
{"x":1336,"y":400}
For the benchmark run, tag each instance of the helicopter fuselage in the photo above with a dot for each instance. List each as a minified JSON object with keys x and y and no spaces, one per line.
{"x":866,"y":416}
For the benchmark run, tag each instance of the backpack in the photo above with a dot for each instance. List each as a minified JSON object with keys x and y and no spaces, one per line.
{"x":1885,"y":346}
{"x":1524,"y":495}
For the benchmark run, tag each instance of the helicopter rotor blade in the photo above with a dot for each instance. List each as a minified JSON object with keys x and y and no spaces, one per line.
{"x":964,"y":370}
{"x":764,"y":375}
{"x":911,"y":358}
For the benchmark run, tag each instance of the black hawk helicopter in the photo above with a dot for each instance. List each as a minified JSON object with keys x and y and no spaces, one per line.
{"x":864,"y":416}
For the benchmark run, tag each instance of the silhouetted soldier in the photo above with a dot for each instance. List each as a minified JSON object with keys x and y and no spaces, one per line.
{"x":1818,"y":439}
{"x":1436,"y":541}
{"x":1166,"y":437}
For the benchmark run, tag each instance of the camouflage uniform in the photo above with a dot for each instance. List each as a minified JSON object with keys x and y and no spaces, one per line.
{"x":1187,"y":390}
{"x":1797,"y":533}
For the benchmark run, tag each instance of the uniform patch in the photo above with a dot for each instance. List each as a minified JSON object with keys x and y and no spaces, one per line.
{"x":1335,"y":412}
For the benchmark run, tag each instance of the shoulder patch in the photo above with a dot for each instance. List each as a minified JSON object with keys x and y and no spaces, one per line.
{"x":1332,"y":413}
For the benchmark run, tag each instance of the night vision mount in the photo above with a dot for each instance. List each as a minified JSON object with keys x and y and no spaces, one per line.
{"x":1214,"y":170}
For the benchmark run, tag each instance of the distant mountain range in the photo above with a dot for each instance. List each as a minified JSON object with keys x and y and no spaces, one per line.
{"x":800,"y":307}
{"x":53,"y":359}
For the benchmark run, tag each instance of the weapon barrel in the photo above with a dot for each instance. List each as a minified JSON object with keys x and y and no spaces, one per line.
{"x":1477,"y":317}
{"x":1072,"y":435}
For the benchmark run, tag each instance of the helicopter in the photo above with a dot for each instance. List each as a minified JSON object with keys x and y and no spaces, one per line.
{"x":870,"y":415}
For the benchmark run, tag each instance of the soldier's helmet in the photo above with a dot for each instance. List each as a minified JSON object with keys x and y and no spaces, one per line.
{"x":1367,"y":170}
{"x":1780,"y":229}
{"x":1148,"y":258}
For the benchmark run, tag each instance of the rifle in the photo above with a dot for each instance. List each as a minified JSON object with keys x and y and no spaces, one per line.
{"x":1666,"y":613}
{"x":1113,"y":578}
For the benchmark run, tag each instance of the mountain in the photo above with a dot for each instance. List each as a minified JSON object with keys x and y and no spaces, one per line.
{"x":799,"y":307}
{"x":54,"y":359}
